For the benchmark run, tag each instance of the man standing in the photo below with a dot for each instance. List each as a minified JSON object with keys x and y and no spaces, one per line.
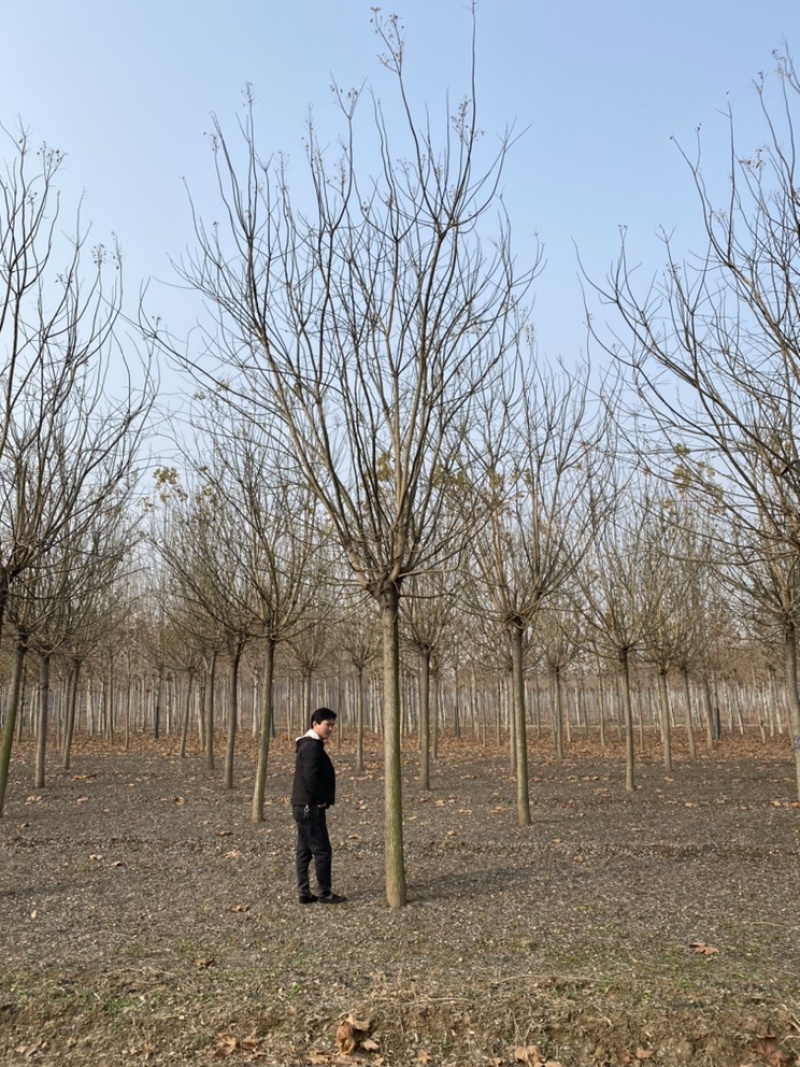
{"x":313,"y":792}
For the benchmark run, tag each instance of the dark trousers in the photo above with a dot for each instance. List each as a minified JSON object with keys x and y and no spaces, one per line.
{"x":312,"y":842}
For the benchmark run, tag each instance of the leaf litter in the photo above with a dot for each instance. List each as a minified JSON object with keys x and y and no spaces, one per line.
{"x":615,"y":930}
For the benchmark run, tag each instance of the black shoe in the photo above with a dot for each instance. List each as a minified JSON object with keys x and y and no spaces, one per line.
{"x":331,"y":898}
{"x":308,"y":898}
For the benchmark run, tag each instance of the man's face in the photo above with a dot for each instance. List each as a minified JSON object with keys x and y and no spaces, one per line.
{"x":323,"y":729}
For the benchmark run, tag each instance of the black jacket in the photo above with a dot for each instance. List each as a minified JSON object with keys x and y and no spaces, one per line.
{"x":314,"y":776}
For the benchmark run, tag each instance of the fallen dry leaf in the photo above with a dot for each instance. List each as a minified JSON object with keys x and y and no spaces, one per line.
{"x":528,"y":1055}
{"x":770,"y":1051}
{"x":250,"y":1043}
{"x":703,"y":949}
{"x":352,"y":1034}
{"x":226,"y":1044}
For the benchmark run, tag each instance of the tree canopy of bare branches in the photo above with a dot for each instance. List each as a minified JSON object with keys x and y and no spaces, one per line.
{"x":365,"y":328}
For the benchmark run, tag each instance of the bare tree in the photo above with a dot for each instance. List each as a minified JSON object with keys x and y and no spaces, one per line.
{"x":206,"y":556}
{"x":429,"y":611}
{"x":76,"y":603}
{"x":557,"y":631}
{"x":669,"y":567}
{"x":614,"y":598}
{"x":366,"y":328}
{"x":713,"y":343}
{"x":538,"y":461}
{"x":275,"y":520}
{"x":360,"y":643}
{"x":66,"y":445}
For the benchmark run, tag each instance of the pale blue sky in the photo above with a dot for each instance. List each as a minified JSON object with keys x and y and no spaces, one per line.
{"x":126,"y":89}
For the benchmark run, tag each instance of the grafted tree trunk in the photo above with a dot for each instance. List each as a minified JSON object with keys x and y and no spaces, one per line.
{"x":625,"y":687}
{"x":359,"y":694}
{"x":396,"y":893}
{"x":187,"y":713}
{"x":233,"y":717}
{"x":793,"y":698}
{"x":20,"y":651}
{"x":210,"y":710}
{"x":72,"y":706}
{"x":558,"y":715}
{"x":424,"y":716}
{"x":264,"y":731}
{"x":666,"y":728}
{"x":517,"y":634}
{"x":44,"y":709}
{"x":687,"y":694}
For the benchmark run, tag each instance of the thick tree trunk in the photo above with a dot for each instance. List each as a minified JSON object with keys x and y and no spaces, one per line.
{"x":44,"y":709}
{"x":666,"y":728}
{"x":396,"y":894}
{"x":187,"y":714}
{"x":210,"y":711}
{"x":601,"y":706}
{"x":12,"y":709}
{"x":708,"y":707}
{"x":72,"y":707}
{"x":359,"y":718}
{"x":687,"y":695}
{"x":520,"y":733}
{"x":559,"y":715}
{"x":425,"y":717}
{"x":264,"y":732}
{"x":233,"y":717}
{"x":793,"y":698}
{"x":625,"y":679}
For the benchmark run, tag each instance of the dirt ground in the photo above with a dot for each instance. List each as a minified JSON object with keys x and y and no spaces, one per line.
{"x":145,"y":919}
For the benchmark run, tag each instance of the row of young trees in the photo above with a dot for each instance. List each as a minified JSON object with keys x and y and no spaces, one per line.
{"x":120,"y":697}
{"x":69,"y":442}
{"x":371,"y":416}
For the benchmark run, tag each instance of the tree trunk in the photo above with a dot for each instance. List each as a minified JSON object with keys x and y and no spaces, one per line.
{"x":708,"y":707}
{"x":520,"y":735}
{"x":212,"y":680}
{"x":359,"y":694}
{"x":187,"y":713}
{"x":666,"y":728}
{"x":157,"y":703}
{"x":601,"y":707}
{"x":233,"y":716}
{"x":559,"y":715}
{"x":625,"y":679}
{"x":793,"y":699}
{"x":11,"y":713}
{"x":44,"y":709}
{"x":425,"y":717}
{"x":72,"y":707}
{"x":689,"y":723}
{"x":435,"y":703}
{"x":393,"y":835}
{"x":264,"y":732}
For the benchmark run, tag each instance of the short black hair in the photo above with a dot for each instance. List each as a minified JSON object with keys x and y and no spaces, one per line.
{"x":323,"y":715}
